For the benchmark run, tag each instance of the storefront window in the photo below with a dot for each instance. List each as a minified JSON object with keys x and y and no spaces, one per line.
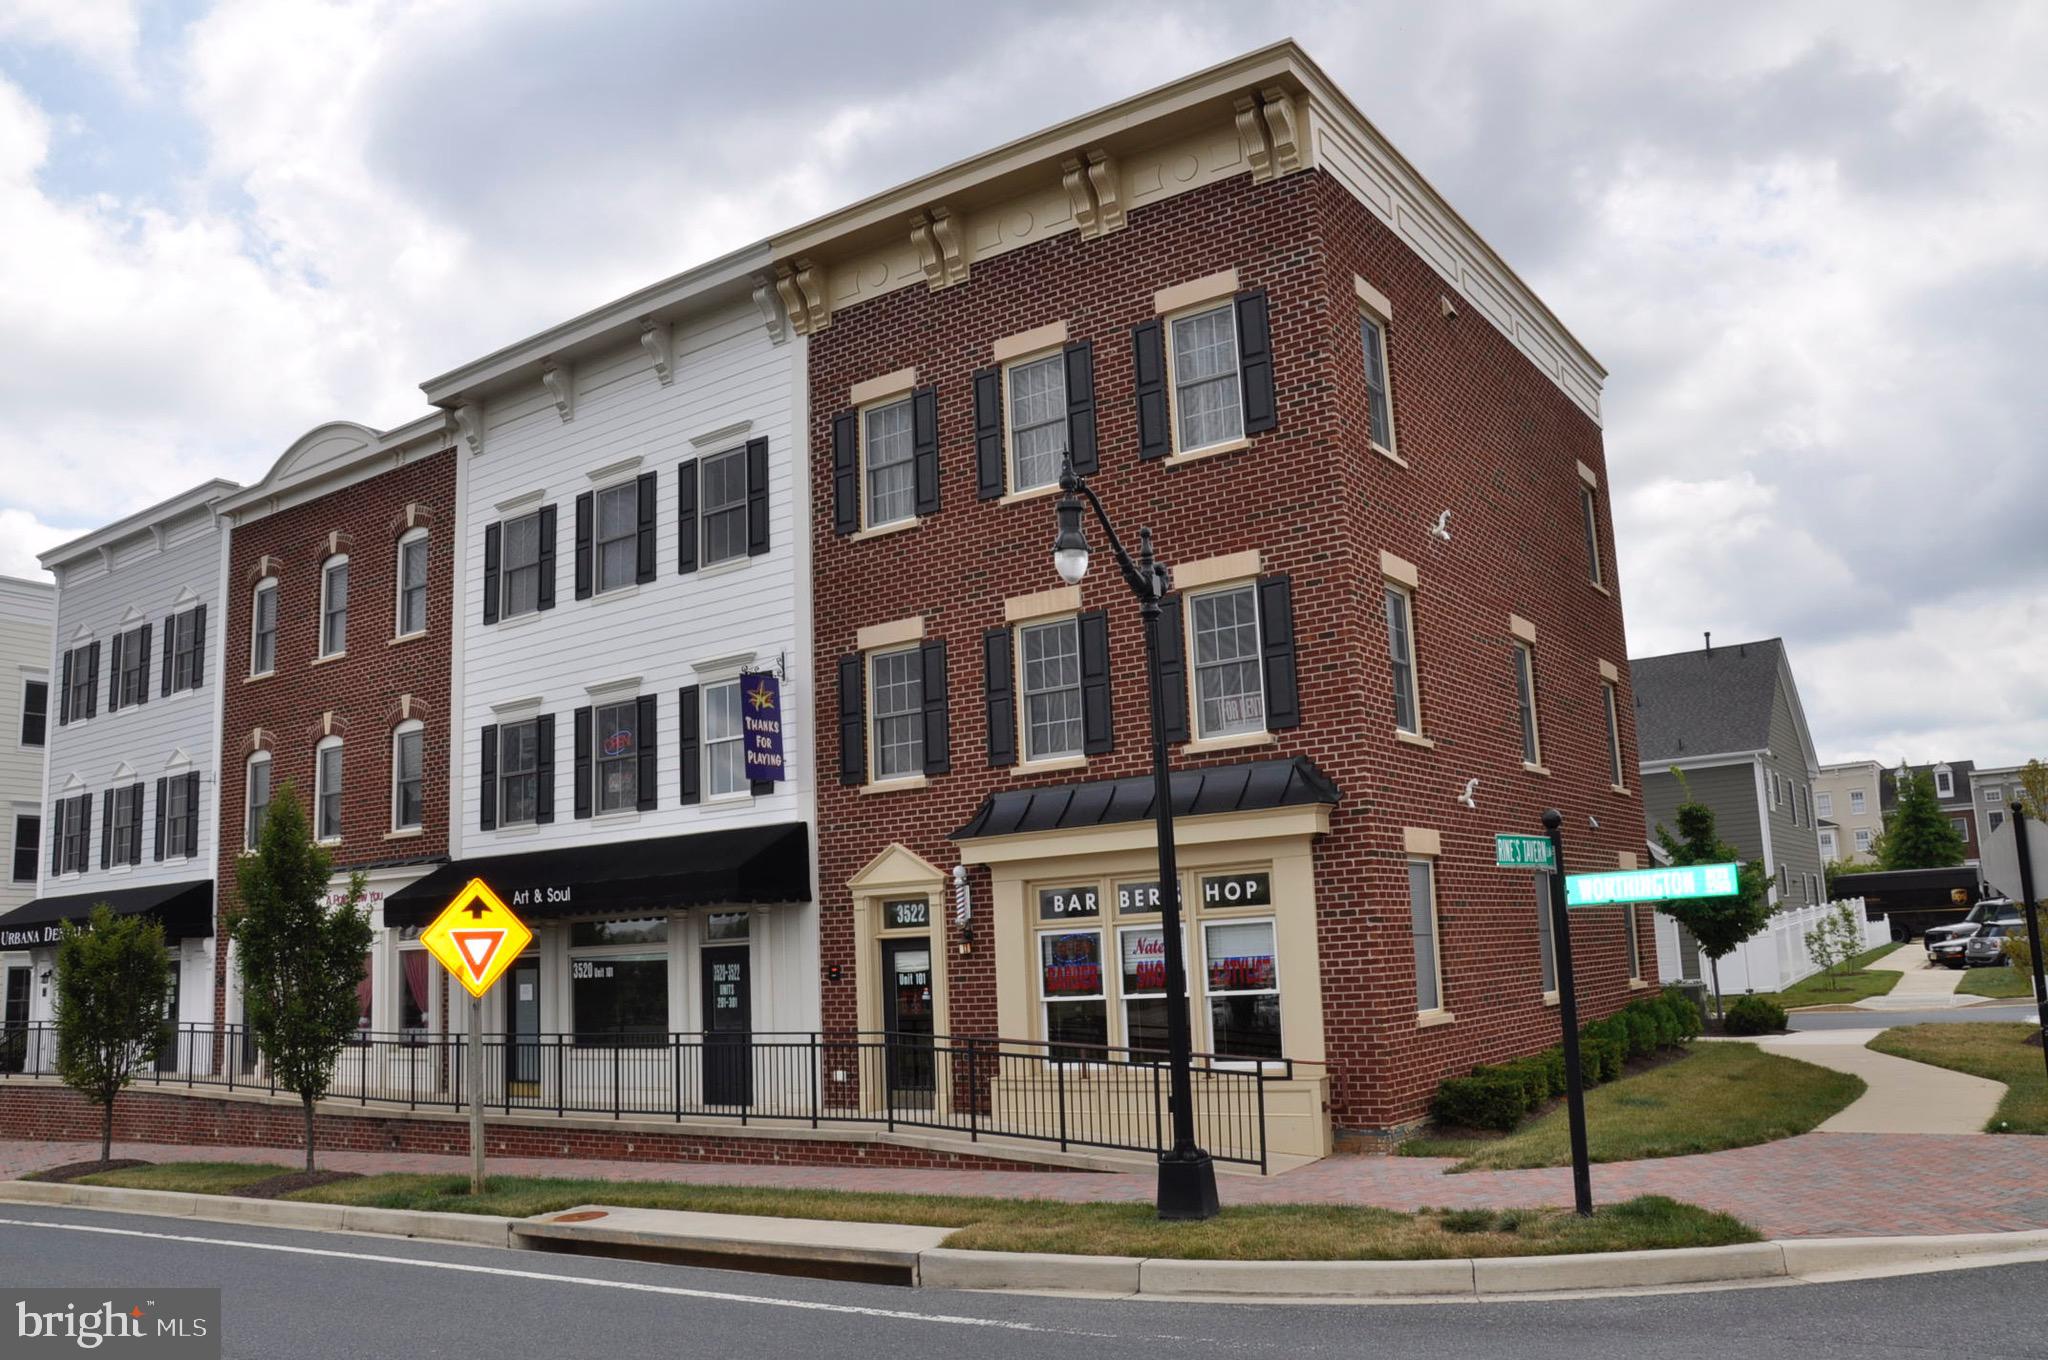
{"x":1244,"y":989}
{"x":584,"y":934}
{"x":1071,"y":985}
{"x":619,"y":1000}
{"x":726,"y":927}
{"x":1143,"y":953}
{"x":364,"y":991}
{"x":412,"y":989}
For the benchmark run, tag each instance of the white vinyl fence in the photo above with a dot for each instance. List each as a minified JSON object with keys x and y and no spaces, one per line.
{"x":1769,"y":961}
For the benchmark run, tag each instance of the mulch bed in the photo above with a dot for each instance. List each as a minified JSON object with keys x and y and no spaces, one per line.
{"x":71,"y":1171}
{"x":277,"y":1187}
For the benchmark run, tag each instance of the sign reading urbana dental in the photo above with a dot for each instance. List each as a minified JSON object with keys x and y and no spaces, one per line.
{"x":32,"y":937}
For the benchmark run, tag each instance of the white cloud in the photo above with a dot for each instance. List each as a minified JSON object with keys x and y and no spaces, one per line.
{"x":102,"y":32}
{"x":22,"y":536}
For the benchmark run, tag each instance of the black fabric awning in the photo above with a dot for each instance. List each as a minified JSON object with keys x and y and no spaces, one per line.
{"x":1249,"y":786}
{"x":751,"y":864}
{"x":185,"y":909}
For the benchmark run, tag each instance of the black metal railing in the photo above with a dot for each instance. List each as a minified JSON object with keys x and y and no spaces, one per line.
{"x":1069,"y":1095}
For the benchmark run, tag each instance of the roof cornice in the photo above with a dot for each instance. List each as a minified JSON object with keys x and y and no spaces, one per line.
{"x":206,"y":494}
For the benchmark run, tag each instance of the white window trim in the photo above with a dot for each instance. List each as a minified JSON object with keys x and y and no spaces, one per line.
{"x":1095,"y":926}
{"x":1862,"y":839}
{"x":597,"y":539}
{"x":906,"y":397}
{"x":1407,"y":594}
{"x":1824,"y":803}
{"x":1121,"y":1033}
{"x":1610,"y":714}
{"x":1197,"y":737}
{"x":1208,"y":1026}
{"x":1589,"y":512}
{"x":326,"y":577}
{"x":1383,"y":322}
{"x":1436,"y":937}
{"x":1635,"y":944}
{"x":1176,"y":448}
{"x":615,"y":699}
{"x":1546,"y":926}
{"x":505,"y":724}
{"x":1055,"y":352}
{"x":1857,"y":803}
{"x":404,"y":729}
{"x":1065,"y":759}
{"x":1991,"y":797}
{"x":14,"y":846}
{"x":1525,"y":663}
{"x":252,"y":834}
{"x":916,"y":777}
{"x":398,"y":629}
{"x":325,"y":745}
{"x":1944,"y":778}
{"x":505,"y":567}
{"x":745,"y":792}
{"x":704,"y":562}
{"x":270,"y":584}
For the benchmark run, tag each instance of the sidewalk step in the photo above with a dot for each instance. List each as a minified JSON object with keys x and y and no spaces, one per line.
{"x":873,"y":1253}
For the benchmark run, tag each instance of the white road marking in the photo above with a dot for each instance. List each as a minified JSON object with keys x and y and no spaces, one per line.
{"x":678,"y":1291}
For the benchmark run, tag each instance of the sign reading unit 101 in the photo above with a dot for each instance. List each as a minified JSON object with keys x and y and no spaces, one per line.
{"x":1676,"y":883}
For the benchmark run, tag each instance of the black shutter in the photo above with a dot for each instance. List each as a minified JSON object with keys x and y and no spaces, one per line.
{"x":688,"y":749}
{"x":1080,"y":359}
{"x":643,"y":556}
{"x":580,"y":733}
{"x":853,"y":747}
{"x":544,"y":769}
{"x":56,"y":825}
{"x":757,"y":497}
{"x":686,"y":515}
{"x":544,"y":560}
{"x":1173,"y":671}
{"x":845,"y":473}
{"x":170,"y":650}
{"x":924,"y":440}
{"x":494,"y":537}
{"x":135,"y":824}
{"x":198,"y":647}
{"x":142,"y":690}
{"x":114,"y":687}
{"x":650,"y":792}
{"x":162,"y":804}
{"x":1276,"y":643}
{"x":999,"y":696}
{"x":107,"y":828}
{"x":192,"y":814}
{"x":92,"y":671}
{"x":1148,"y":359}
{"x":487,"y":774}
{"x":583,"y":531}
{"x":64,"y":694}
{"x":1098,"y":735}
{"x":84,"y":801}
{"x":988,"y":434}
{"x":1255,"y":362}
{"x":938,"y":727}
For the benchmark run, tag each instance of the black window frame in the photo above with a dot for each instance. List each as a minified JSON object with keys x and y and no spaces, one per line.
{"x":33,"y":846}
{"x":35,"y":714}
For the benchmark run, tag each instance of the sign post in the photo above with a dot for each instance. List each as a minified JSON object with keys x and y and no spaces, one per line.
{"x":2026,"y":854}
{"x":476,"y":938}
{"x":1568,"y":1017}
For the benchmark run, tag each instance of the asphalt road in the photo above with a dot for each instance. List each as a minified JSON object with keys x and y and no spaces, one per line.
{"x":290,"y":1295}
{"x":2018,"y":1010}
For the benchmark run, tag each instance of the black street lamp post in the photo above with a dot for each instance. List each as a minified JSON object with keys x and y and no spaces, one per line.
{"x":1187,"y":1178}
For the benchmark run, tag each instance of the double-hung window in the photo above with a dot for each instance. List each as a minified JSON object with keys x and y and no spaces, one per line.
{"x":257,"y":798}
{"x":185,"y":641}
{"x":1546,"y":936}
{"x":1589,"y":507}
{"x":179,"y":811}
{"x":1229,"y":685}
{"x":35,"y":711}
{"x":1242,"y":979}
{"x":520,"y":571}
{"x":518,"y":772}
{"x":1856,"y":802}
{"x":725,"y":506}
{"x":617,"y":733}
{"x":1141,"y":950}
{"x":1827,"y":843}
{"x":326,"y":791}
{"x":75,"y":831}
{"x":724,"y":758}
{"x":1525,"y":703}
{"x":896,"y":687}
{"x":1401,"y":656}
{"x":1825,"y":803}
{"x":1051,"y":655}
{"x":1208,"y":401}
{"x":84,"y":683}
{"x":131,"y":679}
{"x":407,"y":783}
{"x":263,"y":628}
{"x":890,"y":446}
{"x":1429,"y":978}
{"x":412,"y":583}
{"x":334,"y":607}
{"x":1379,"y":402}
{"x":1862,"y":839}
{"x":123,"y":826}
{"x":618,"y":536}
{"x":1038,"y":421}
{"x":1944,"y":784}
{"x":28,"y":846}
{"x":1612,"y":706}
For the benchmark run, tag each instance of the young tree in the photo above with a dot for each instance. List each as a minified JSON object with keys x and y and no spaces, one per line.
{"x":301,"y":963}
{"x":113,"y":992}
{"x":1720,"y":924}
{"x":1835,"y":939}
{"x":2034,"y":790}
{"x":1918,"y":834}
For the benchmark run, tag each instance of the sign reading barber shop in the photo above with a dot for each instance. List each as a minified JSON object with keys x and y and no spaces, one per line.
{"x":761,"y":726}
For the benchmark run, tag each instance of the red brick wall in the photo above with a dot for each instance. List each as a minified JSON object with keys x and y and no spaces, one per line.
{"x":1484,"y":434}
{"x":362,"y":689}
{"x":52,"y":1113}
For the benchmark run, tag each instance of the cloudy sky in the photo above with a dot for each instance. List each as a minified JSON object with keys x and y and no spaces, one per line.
{"x":1805,"y":239}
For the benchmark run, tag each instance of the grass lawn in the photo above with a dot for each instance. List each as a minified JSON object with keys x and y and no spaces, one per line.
{"x":1300,"y":1232}
{"x":2004,"y":980}
{"x":1999,"y":1052}
{"x":192,"y":1178}
{"x":1720,"y":1095}
{"x":1850,"y":983}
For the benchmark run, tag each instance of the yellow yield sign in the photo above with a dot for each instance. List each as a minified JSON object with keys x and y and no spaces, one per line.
{"x":476,"y":937}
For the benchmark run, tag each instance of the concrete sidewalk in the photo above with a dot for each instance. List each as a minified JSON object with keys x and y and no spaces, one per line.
{"x":1921,"y":986}
{"x":1902,"y":1096}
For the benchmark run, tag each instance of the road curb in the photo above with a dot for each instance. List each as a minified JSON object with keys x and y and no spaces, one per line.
{"x":1789,"y":1260}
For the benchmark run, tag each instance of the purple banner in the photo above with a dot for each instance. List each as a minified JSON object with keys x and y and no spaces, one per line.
{"x":761,"y":725}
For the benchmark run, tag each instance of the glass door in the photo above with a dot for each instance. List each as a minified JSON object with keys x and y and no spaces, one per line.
{"x":14,"y":1021}
{"x":728,"y":1023}
{"x":167,"y":1056}
{"x":522,"y":1030}
{"x":907,"y":1019}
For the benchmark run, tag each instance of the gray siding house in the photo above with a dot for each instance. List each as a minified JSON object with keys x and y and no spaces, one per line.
{"x":1728,"y":722}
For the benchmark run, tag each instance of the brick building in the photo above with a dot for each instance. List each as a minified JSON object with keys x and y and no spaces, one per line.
{"x":1373,"y":458}
{"x":336,"y":648}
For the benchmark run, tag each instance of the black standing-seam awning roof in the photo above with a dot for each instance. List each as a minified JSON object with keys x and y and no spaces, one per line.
{"x":185,"y":909}
{"x":750,"y":864}
{"x":1250,"y":786}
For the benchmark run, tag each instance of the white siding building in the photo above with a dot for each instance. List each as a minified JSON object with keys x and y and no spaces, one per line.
{"x":632,"y":563}
{"x":25,"y":612}
{"x":129,"y":794}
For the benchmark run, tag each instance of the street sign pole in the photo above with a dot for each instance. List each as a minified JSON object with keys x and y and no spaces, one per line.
{"x":2026,"y":853}
{"x":476,"y":937}
{"x":1568,"y":1017}
{"x":476,"y":1095}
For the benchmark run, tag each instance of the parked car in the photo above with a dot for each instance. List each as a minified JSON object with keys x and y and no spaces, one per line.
{"x":1986,"y":949}
{"x":1990,"y":909}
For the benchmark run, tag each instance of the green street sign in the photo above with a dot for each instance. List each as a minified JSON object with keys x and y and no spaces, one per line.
{"x":1652,"y":885}
{"x":1521,"y":852}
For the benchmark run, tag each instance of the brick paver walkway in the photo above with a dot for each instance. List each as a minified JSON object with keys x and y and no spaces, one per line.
{"x":1816,"y":1185}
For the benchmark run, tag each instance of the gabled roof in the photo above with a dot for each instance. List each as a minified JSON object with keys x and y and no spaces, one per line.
{"x":1960,"y":772}
{"x":1713,"y":702}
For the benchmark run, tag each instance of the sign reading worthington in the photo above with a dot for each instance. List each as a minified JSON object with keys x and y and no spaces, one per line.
{"x":761,"y":725}
{"x":1678,"y":882}
{"x":1521,"y":852}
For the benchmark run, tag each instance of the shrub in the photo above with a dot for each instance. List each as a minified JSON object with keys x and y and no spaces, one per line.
{"x":1754,"y":1015}
{"x":1535,"y":1077}
{"x":1687,"y":1013}
{"x":1600,"y":1054}
{"x":1642,"y":1032}
{"x":1490,"y":1098}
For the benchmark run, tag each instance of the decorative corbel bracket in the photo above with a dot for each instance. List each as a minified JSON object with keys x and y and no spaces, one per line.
{"x":1102,"y":178}
{"x":467,"y":420}
{"x":560,"y":381}
{"x":1283,"y":121}
{"x":659,"y":342}
{"x":802,"y":291}
{"x":771,"y":310}
{"x":1074,"y":179}
{"x":935,"y":235}
{"x":1251,"y":139}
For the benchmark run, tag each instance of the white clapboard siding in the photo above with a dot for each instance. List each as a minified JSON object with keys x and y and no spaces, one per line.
{"x":25,"y":612}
